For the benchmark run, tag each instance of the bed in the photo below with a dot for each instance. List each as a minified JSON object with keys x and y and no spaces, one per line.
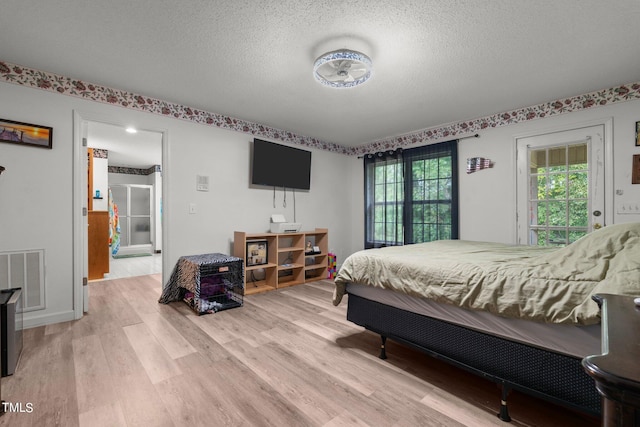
{"x":521,"y":316}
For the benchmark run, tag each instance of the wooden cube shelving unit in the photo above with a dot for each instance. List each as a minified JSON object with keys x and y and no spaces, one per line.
{"x":287,"y":262}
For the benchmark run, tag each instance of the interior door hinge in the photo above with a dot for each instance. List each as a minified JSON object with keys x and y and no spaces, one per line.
{"x":84,"y":211}
{"x":84,"y":142}
{"x":85,"y":281}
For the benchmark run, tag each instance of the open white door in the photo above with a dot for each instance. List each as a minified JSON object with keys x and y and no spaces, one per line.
{"x":80,"y":218}
{"x":84,"y":127}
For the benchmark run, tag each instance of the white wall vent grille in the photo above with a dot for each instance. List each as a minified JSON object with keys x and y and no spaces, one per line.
{"x":24,"y":269}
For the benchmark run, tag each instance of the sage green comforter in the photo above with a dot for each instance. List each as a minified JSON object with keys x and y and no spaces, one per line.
{"x":551,"y":285}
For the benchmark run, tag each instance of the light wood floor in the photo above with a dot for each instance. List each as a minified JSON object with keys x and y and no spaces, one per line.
{"x":134,"y":266}
{"x":286,"y":358}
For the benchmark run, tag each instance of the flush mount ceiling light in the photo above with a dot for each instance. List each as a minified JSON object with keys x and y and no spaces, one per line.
{"x":342,"y":68}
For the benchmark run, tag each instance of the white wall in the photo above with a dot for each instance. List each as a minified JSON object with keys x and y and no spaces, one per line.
{"x":488,"y":204}
{"x":100,"y":182}
{"x":36,"y":190}
{"x":230,"y":204}
{"x":35,"y":194}
{"x":487,"y":197}
{"x":156,"y":181}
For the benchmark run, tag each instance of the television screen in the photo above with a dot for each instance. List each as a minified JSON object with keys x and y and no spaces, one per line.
{"x":277,"y":165}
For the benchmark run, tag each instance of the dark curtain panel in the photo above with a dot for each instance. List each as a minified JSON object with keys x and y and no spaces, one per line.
{"x":384,"y":194}
{"x":411,"y":196}
{"x":431,"y":192}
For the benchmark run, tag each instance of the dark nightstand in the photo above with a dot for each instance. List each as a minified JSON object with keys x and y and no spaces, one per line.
{"x":617,"y":370}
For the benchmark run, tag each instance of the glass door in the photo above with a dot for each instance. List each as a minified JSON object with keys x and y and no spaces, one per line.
{"x":134,"y":204}
{"x":140,"y":214}
{"x":560,"y":189}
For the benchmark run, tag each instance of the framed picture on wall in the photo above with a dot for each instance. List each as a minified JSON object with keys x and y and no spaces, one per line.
{"x":257,"y":252}
{"x":26,"y":134}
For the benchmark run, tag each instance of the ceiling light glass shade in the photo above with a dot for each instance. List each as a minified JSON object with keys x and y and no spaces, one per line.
{"x":342,"y":68}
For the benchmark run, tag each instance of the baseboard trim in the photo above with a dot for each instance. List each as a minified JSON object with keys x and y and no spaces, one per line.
{"x":33,"y":321}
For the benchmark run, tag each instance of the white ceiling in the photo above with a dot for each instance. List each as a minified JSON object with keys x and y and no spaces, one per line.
{"x":434,"y":61}
{"x":141,"y":150}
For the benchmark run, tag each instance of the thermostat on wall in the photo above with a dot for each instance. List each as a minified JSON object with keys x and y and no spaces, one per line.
{"x":202,"y":183}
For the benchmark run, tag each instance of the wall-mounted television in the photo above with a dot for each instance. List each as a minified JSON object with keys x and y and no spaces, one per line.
{"x":277,"y":165}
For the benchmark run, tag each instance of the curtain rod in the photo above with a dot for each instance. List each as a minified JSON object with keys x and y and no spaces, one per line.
{"x":464,"y":137}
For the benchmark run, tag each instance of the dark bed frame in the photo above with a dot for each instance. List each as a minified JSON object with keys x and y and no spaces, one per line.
{"x":539,"y":372}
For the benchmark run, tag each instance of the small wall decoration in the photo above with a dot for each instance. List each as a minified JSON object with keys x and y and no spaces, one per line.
{"x":26,"y":134}
{"x":257,"y":252}
{"x":637,"y":134}
{"x":635,"y":170}
{"x":478,"y":163}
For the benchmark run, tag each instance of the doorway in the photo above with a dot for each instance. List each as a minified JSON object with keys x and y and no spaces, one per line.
{"x":80,"y":207}
{"x":561,"y":185}
{"x":125,"y":183}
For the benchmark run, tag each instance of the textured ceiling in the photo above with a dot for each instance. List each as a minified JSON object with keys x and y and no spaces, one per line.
{"x":434,"y":61}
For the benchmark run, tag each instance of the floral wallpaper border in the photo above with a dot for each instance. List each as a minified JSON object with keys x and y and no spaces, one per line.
{"x":626,"y":92}
{"x":134,"y":171}
{"x":100,"y":153}
{"x":16,"y":74}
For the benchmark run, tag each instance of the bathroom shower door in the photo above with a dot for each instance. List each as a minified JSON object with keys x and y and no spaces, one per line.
{"x":134,"y":204}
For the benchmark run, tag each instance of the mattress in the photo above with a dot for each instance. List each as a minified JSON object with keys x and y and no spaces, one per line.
{"x":572,"y":340}
{"x":540,"y":284}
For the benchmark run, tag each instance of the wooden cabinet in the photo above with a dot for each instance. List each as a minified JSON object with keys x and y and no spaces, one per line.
{"x":287,"y":262}
{"x":98,"y":236}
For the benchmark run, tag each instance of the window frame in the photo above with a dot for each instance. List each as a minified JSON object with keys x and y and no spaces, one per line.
{"x":370,"y":203}
{"x":405,"y":230}
{"x":431,"y":152}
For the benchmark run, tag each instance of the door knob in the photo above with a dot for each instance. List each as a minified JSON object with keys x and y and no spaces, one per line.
{"x":597,"y":226}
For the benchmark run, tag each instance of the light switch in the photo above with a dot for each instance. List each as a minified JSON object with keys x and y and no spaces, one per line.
{"x":628,"y":208}
{"x":192,"y":208}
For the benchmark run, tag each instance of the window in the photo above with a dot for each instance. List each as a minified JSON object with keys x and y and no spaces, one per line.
{"x":559,"y":191}
{"x":412,"y":196}
{"x":384,"y":200}
{"x":432,"y":208}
